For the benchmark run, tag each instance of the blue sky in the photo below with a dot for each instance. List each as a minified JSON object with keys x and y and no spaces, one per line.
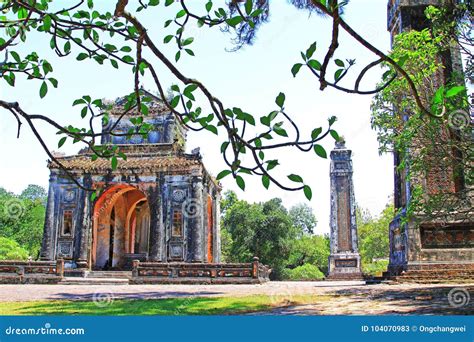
{"x":250,"y":78}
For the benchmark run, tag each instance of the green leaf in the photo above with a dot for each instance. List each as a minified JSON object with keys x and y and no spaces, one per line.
{"x":311,"y":50}
{"x":168,"y":38}
{"x":114,"y":63}
{"x":320,"y":151}
{"x":78,"y":101}
{"x":15,"y":56}
{"x":224,"y":146}
{"x":295,"y":178}
{"x":10,"y":79}
{"x":271,"y":164}
{"x":223,"y":174}
{"x":240,"y":182}
{"x":46,"y":22}
{"x":339,"y":63}
{"x":296,"y":68}
{"x":54,"y":82}
{"x":189,"y":52}
{"x":180,"y":14}
{"x":332,"y":120}
{"x":308,"y":192}
{"x":280,"y":100}
{"x":212,"y":129}
{"x":82,"y":56}
{"x":67,"y":47}
{"x":61,"y":142}
{"x":338,"y":74}
{"x":314,"y":64}
{"x":455,"y":90}
{"x":169,"y":2}
{"x":234,"y":21}
{"x":438,"y":97}
{"x":187,"y":41}
{"x":334,"y":134}
{"x":248,"y":7}
{"x":280,"y":131}
{"x":208,"y":6}
{"x":114,"y":163}
{"x":266,"y":181}
{"x":43,"y":89}
{"x":316,"y":132}
{"x":83,"y":112}
{"x":177,"y":56}
{"x":174,"y":102}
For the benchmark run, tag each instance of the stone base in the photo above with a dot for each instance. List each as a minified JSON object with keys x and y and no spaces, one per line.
{"x":432,"y":273}
{"x":344,"y":266}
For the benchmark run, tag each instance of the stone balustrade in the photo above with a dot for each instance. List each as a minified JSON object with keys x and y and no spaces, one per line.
{"x":31,"y":272}
{"x":199,"y":273}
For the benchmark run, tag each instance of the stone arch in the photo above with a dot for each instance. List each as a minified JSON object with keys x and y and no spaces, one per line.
{"x":115,"y":226}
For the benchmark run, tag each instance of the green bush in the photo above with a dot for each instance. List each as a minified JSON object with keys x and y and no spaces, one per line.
{"x":375,"y":268}
{"x":11,"y":250}
{"x":304,"y":272}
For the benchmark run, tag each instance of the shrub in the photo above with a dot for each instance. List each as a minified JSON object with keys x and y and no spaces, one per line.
{"x":375,"y":268}
{"x":11,"y":250}
{"x":303,"y":272}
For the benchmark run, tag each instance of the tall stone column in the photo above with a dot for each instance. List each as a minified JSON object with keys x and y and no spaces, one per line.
{"x":156,"y":232}
{"x":47,"y":245}
{"x":86,"y":225}
{"x":217,"y":228}
{"x":198,"y":221}
{"x":344,"y":260}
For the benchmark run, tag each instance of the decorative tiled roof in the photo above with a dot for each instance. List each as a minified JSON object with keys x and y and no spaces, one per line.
{"x":133,"y":162}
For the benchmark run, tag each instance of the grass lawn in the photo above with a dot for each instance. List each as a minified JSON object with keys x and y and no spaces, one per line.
{"x":171,"y":306}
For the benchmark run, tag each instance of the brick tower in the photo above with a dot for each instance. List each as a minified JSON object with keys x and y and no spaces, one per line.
{"x":423,"y":243}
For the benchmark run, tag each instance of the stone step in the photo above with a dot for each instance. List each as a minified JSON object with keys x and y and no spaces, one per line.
{"x":93,"y":281}
{"x":440,"y":266}
{"x":432,"y":281}
{"x":109,"y":274}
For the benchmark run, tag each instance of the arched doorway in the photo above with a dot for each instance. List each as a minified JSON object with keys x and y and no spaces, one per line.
{"x":121,"y":227}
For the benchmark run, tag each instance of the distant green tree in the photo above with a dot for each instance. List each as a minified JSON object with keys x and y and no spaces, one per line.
{"x":34,"y":192}
{"x":22,"y":218}
{"x":259,"y":229}
{"x":312,"y":250}
{"x":303,"y":218}
{"x":374,"y":234}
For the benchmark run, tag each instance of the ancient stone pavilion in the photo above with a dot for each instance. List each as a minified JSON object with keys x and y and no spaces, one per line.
{"x":424,"y":243}
{"x":158,"y":205}
{"x":344,"y":260}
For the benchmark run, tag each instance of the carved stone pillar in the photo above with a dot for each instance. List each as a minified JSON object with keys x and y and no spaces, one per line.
{"x":86,"y":226}
{"x":198,"y":221}
{"x":344,"y":260}
{"x":49,"y":239}
{"x":155,"y":245}
{"x":217,"y":227}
